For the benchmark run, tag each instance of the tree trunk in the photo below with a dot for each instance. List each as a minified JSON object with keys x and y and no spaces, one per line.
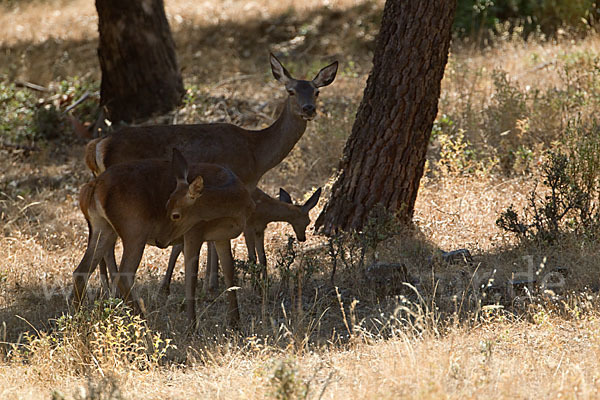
{"x":140,"y":76}
{"x":384,"y":157}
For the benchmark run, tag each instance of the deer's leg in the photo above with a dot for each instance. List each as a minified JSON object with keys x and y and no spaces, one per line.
{"x":108,"y":275}
{"x":192,"y":242}
{"x":213,"y":284}
{"x":99,"y":243}
{"x":111,"y":262}
{"x":224,"y":252}
{"x":260,"y":249}
{"x":166,"y":282}
{"x":211,"y":278}
{"x":104,"y":276}
{"x":132,"y":255}
{"x":250,"y":240}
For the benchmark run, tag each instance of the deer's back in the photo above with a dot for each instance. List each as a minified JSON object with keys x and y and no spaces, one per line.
{"x":221,"y":144}
{"x":224,"y":193}
{"x":133,"y":195}
{"x":136,"y":190}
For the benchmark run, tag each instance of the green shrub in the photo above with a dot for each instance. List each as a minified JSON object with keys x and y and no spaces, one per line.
{"x":481,"y":19}
{"x":567,"y":199}
{"x":30,"y":116}
{"x":17,"y":118}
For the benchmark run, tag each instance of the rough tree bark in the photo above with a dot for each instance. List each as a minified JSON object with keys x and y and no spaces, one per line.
{"x":140,"y":76}
{"x":384,"y":157}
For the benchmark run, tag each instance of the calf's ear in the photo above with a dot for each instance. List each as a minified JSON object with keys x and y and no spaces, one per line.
{"x":312,"y":202}
{"x":284,"y":196}
{"x":196,"y":188}
{"x":179,"y":166}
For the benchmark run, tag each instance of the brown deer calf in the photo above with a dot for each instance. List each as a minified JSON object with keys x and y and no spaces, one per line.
{"x":267,"y":210}
{"x":160,"y":203}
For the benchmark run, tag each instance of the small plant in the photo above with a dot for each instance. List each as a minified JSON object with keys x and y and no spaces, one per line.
{"x":253,"y":272}
{"x":352,"y":248}
{"x":286,"y":384}
{"x":48,"y":122}
{"x":456,"y":154}
{"x":285,"y":261}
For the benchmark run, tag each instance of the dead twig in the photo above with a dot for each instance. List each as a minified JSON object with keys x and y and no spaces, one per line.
{"x":32,"y":86}
{"x":78,"y":101}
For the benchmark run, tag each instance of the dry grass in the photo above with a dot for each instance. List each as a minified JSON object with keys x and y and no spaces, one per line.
{"x":517,"y":360}
{"x":295,"y":340}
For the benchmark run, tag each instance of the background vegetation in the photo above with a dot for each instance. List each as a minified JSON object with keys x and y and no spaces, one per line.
{"x":512,"y":176}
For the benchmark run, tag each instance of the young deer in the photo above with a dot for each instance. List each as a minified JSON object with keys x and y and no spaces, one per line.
{"x":248,"y":153}
{"x":270,"y":210}
{"x":160,"y":203}
{"x":267,"y":210}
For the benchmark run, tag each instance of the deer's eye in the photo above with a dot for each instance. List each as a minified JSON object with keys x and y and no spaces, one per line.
{"x":175,"y":216}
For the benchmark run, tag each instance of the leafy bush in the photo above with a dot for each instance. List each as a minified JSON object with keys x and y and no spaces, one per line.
{"x":454,"y":154}
{"x":567,"y":201}
{"x":16,"y":121}
{"x":29,"y":116}
{"x":480,"y":19}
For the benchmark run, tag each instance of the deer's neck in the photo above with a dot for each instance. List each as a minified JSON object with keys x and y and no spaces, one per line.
{"x":274,"y":143}
{"x":276,"y":211}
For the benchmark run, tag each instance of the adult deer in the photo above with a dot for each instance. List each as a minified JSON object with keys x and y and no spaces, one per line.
{"x":248,"y":153}
{"x":267,"y":210}
{"x":160,"y":202}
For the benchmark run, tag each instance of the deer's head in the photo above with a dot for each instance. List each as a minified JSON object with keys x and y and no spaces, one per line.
{"x":301,"y":221}
{"x":185,"y":194}
{"x":303,"y":94}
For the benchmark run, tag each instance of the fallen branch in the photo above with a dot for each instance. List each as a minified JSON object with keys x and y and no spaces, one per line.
{"x":78,"y":102}
{"x":30,"y":85}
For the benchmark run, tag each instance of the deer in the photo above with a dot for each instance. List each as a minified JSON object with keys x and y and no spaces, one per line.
{"x":248,"y":153}
{"x":268,"y":209}
{"x":161,"y":203}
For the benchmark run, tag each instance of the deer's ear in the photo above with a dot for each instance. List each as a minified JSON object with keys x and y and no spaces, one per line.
{"x":284,"y":196}
{"x":279,"y":71}
{"x":312,"y":202}
{"x":179,"y":165}
{"x":196,"y":188}
{"x":326,"y":75}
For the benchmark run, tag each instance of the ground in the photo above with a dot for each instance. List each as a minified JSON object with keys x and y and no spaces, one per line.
{"x":303,"y":337}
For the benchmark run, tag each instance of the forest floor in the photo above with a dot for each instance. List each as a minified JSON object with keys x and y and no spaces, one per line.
{"x":457,"y":329}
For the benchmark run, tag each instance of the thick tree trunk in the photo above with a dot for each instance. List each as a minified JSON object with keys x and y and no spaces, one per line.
{"x":384,"y":157}
{"x":140,"y":76}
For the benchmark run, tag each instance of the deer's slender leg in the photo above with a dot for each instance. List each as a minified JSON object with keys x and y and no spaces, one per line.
{"x":166,"y":282}
{"x":224,"y":252}
{"x":260,"y":249}
{"x":191,"y":251}
{"x":211,"y":278}
{"x":250,"y":240}
{"x":100,"y":242}
{"x":124,"y":280}
{"x":104,"y":276}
